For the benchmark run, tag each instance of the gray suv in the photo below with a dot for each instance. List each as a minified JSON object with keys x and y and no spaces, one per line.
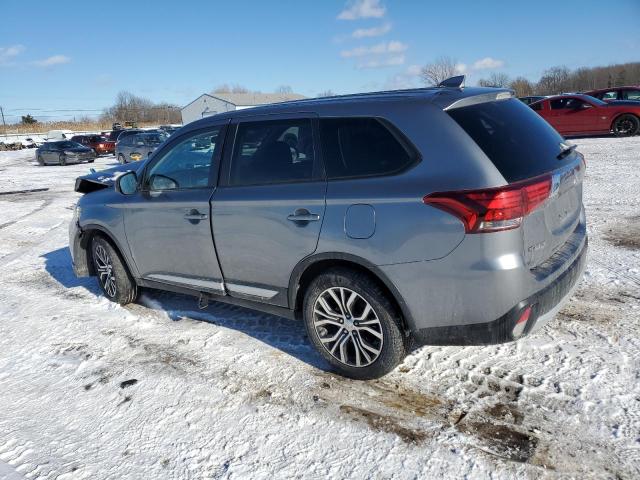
{"x":385,"y":221}
{"x":137,"y":146}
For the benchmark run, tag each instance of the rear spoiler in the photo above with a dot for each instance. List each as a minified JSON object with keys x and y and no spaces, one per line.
{"x":496,"y":94}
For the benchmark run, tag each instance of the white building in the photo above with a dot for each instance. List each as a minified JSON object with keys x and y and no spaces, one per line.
{"x":210,"y":104}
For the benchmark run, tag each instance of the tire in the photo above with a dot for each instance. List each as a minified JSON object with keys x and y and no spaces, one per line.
{"x":625,"y":125}
{"x":40,"y":160}
{"x":355,"y":344}
{"x":62,"y":160}
{"x":121,"y":159}
{"x":91,"y":161}
{"x":116,"y":282}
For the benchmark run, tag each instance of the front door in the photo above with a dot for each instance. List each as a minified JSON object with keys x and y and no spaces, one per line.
{"x":268,"y":209}
{"x":167,"y":222}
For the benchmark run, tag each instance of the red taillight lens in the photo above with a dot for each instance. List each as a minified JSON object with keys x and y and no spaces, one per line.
{"x":493,"y":209}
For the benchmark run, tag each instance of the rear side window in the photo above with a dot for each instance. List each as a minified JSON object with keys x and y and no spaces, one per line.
{"x":519,"y":142}
{"x":268,"y":152}
{"x":363,"y":147}
{"x":536,"y":106}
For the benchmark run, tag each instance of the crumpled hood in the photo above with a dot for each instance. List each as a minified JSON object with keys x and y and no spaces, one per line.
{"x":105,"y":178}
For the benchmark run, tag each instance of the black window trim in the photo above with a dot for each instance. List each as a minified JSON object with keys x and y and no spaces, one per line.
{"x":143,"y":182}
{"x":230,"y":144}
{"x":394,"y":130}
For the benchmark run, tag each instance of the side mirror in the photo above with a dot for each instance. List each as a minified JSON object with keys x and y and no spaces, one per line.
{"x":127,"y":184}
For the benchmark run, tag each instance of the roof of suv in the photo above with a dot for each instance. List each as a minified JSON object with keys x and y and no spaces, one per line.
{"x":443,"y":97}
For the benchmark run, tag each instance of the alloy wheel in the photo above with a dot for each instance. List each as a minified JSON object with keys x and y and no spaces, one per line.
{"x":348,"y":327}
{"x":105,"y":270}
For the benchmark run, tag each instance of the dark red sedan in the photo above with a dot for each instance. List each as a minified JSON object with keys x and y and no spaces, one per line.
{"x":584,"y":115}
{"x":98,"y":144}
{"x":616,"y":93}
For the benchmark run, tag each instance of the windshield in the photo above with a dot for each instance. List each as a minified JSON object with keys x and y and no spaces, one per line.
{"x":96,"y":139}
{"x":69,"y":145}
{"x":594,"y":100}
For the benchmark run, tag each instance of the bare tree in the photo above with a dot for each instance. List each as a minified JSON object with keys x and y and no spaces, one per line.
{"x":225,"y":88}
{"x":522,"y":87}
{"x":441,"y":69}
{"x":496,"y":79}
{"x":131,"y":108}
{"x":555,"y":80}
{"x":284,"y":89}
{"x":326,"y":93}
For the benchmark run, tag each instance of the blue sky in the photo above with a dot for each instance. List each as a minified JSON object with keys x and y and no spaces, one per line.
{"x":76,"y":55}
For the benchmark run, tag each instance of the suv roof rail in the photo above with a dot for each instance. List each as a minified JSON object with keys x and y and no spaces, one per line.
{"x":453,"y":82}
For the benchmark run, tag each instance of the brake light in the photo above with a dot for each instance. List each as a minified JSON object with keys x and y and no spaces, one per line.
{"x":493,"y":209}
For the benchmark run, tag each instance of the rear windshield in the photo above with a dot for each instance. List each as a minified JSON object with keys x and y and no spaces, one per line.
{"x":519,"y":142}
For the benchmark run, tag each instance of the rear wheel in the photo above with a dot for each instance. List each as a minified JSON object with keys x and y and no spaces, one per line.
{"x":353,"y":324}
{"x":626,"y":125}
{"x":62,"y":160}
{"x":113,"y":276}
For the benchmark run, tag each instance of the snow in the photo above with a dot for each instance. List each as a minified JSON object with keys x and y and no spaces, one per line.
{"x":231,"y":393}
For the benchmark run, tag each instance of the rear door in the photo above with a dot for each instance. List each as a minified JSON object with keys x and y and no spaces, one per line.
{"x":268,"y":208}
{"x":522,"y":146}
{"x":167,"y":222}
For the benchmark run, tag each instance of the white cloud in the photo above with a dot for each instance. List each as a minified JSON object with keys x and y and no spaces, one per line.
{"x":487,"y":63}
{"x":356,"y":9}
{"x":8,"y":53}
{"x":461,"y":68}
{"x":372,"y":32}
{"x":53,"y":60}
{"x":386,"y":62}
{"x":380,"y":49}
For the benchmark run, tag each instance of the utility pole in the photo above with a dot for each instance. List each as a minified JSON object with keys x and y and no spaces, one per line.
{"x":3,"y":122}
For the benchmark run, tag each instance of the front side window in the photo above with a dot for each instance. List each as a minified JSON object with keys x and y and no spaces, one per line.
{"x":269,"y":152}
{"x":363,"y":147}
{"x":612,"y":95}
{"x":187,"y":164}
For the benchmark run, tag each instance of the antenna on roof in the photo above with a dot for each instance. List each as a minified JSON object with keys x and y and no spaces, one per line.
{"x":453,"y":82}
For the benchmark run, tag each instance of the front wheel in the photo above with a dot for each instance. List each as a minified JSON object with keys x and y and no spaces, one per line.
{"x":353,"y":324}
{"x":625,"y":125}
{"x":113,"y":276}
{"x":62,"y":160}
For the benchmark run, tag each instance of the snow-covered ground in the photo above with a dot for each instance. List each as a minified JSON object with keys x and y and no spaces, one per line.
{"x":159,"y":389}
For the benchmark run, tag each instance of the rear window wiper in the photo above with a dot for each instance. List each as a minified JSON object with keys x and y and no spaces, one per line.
{"x":566,"y":151}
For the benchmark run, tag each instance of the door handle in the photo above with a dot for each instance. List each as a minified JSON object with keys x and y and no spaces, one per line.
{"x":303,"y":215}
{"x":195,"y":215}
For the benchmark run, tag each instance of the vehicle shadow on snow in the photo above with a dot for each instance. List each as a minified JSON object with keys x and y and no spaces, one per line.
{"x":288,"y":336}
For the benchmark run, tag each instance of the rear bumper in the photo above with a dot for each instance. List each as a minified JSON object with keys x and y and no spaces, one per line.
{"x":545,"y":304}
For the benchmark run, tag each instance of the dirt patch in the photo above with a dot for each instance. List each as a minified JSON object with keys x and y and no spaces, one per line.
{"x":384,"y":423}
{"x":506,"y":413}
{"x":625,"y":236}
{"x":502,"y":440}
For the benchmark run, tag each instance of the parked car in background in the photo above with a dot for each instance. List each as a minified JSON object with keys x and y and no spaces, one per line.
{"x":97,"y":143}
{"x":64,"y":152}
{"x":531,"y":99}
{"x":59,"y":135}
{"x":381,"y":234}
{"x":586,"y":115}
{"x":114,"y":134}
{"x":138,"y":146}
{"x":616,"y":93}
{"x":169,"y":129}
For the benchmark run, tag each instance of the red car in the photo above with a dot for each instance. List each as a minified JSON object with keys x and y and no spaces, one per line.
{"x":573,"y":115}
{"x":99,"y":144}
{"x":616,"y":93}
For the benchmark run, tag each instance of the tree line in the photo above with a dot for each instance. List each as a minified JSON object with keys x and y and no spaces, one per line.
{"x":553,"y":81}
{"x":131,"y":108}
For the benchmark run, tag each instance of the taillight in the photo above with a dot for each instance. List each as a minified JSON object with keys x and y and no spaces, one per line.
{"x":493,"y":209}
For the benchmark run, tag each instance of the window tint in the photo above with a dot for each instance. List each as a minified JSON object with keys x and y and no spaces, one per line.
{"x":613,"y":95}
{"x":569,"y":103}
{"x":272,"y":152}
{"x":187,"y":164}
{"x":363,"y":147}
{"x":536,"y":106}
{"x":631,"y":94}
{"x":519,"y":142}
